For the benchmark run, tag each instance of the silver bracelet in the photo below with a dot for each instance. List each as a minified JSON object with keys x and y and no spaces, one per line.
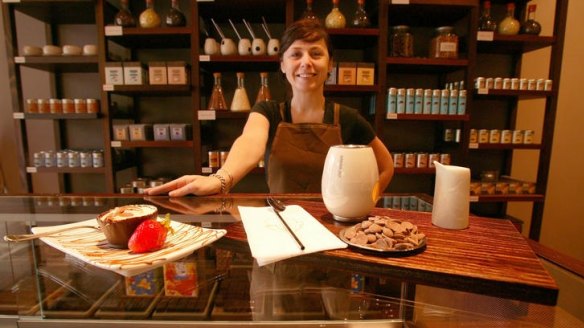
{"x":230,"y":183}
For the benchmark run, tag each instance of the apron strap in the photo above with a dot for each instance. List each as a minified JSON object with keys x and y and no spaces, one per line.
{"x":336,"y":111}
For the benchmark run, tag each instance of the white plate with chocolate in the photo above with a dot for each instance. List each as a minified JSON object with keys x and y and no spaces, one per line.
{"x":385,"y":235}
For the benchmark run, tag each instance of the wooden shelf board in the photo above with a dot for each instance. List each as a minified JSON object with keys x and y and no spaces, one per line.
{"x":61,"y":116}
{"x":480,"y":146}
{"x":88,"y":170}
{"x":427,"y":117}
{"x":521,"y":43}
{"x":331,"y":88}
{"x":153,"y":38}
{"x":507,"y":198}
{"x":238,"y":59}
{"x":513,"y":93}
{"x":353,"y":31}
{"x":415,"y":170}
{"x":152,"y":144}
{"x":63,"y":64}
{"x":145,"y":89}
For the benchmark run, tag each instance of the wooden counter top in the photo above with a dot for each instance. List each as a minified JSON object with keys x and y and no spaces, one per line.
{"x":490,"y":257}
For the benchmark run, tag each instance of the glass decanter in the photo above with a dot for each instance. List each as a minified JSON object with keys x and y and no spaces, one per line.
{"x":335,"y":19}
{"x":308,"y":12}
{"x":217,"y":100}
{"x":240,"y":100}
{"x":509,"y":25}
{"x":486,"y":21}
{"x":149,"y":18}
{"x":360,"y":19}
{"x":175,"y":16}
{"x":124,"y":17}
{"x":264,"y":91}
{"x":531,"y":26}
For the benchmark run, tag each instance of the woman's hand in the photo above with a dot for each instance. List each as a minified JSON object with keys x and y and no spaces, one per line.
{"x":188,"y":184}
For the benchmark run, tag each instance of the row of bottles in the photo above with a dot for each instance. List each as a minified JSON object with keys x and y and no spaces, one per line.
{"x":509,"y":25}
{"x":240,"y":100}
{"x":336,"y":19}
{"x":149,"y":18}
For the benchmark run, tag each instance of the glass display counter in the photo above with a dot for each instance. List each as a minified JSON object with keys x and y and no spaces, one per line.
{"x":221,"y":285}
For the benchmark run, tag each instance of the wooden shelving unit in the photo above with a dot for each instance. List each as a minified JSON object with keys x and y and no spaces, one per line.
{"x":212,"y":130}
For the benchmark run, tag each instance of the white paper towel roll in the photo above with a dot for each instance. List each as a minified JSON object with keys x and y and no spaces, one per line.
{"x":451,"y":197}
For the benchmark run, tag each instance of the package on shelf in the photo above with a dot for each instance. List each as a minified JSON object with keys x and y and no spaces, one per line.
{"x":365,"y":73}
{"x":177,"y":72}
{"x":503,"y":186}
{"x":507,"y":83}
{"x":347,"y":73}
{"x":157,"y":73}
{"x":161,"y":132}
{"x":180,"y":131}
{"x":121,"y":132}
{"x":134,"y":73}
{"x":140,"y":132}
{"x":332,"y":77}
{"x":114,"y":73}
{"x":180,"y":279}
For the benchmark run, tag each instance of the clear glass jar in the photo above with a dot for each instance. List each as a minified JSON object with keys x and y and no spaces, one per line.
{"x":402,"y":42}
{"x":445,"y":43}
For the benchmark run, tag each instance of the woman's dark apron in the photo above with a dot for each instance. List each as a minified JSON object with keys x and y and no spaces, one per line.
{"x":298,"y":153}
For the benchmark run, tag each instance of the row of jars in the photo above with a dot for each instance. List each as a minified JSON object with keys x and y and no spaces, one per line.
{"x":420,"y":160}
{"x":407,"y":203}
{"x":69,"y":158}
{"x":140,"y":184}
{"x":507,"y":83}
{"x":444,"y":44}
{"x":426,"y":101}
{"x":495,"y":136}
{"x":66,"y":201}
{"x":65,"y":105}
{"x":502,"y":187}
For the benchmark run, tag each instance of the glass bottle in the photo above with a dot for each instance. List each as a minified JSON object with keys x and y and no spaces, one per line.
{"x":217,"y":100}
{"x":175,"y":16}
{"x":149,"y":18}
{"x":124,"y":17}
{"x":240,"y":100}
{"x":509,"y":25}
{"x":264,"y":91}
{"x":486,"y":21}
{"x":531,"y":26}
{"x":360,"y":19}
{"x":335,"y":19}
{"x":402,"y":42}
{"x":308,"y":12}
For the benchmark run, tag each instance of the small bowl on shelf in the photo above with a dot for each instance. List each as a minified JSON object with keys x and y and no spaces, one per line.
{"x":89,"y":50}
{"x":50,"y":50}
{"x":32,"y":51}
{"x":71,"y":50}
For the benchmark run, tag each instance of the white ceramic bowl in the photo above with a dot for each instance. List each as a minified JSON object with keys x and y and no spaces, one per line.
{"x":90,"y":50}
{"x":70,"y":50}
{"x":32,"y":51}
{"x":50,"y":50}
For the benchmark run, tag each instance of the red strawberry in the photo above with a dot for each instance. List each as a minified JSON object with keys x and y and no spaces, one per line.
{"x":150,"y":235}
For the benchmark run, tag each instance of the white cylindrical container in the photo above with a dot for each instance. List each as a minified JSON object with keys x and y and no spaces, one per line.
{"x":228,"y":47}
{"x":258,"y":47}
{"x":244,"y":47}
{"x":350,"y":182}
{"x":273,"y":47}
{"x":210,"y":47}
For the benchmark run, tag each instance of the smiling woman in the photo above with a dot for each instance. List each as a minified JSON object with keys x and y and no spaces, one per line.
{"x":294,"y":136}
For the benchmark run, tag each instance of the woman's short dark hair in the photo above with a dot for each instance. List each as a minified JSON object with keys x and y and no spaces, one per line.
{"x":309,"y":30}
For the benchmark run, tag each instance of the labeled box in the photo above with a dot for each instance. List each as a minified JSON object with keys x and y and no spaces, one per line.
{"x":161,"y":132}
{"x":121,"y":132}
{"x":332,"y":77}
{"x":148,"y":283}
{"x":365,"y":74}
{"x":157,"y":73}
{"x":177,"y":72}
{"x":347,"y":73}
{"x":180,"y":132}
{"x":134,"y":73}
{"x":180,"y":279}
{"x":114,"y":73}
{"x":140,"y":132}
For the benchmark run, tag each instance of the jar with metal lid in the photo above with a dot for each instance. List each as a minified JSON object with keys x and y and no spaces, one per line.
{"x":445,"y":43}
{"x":402,"y":42}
